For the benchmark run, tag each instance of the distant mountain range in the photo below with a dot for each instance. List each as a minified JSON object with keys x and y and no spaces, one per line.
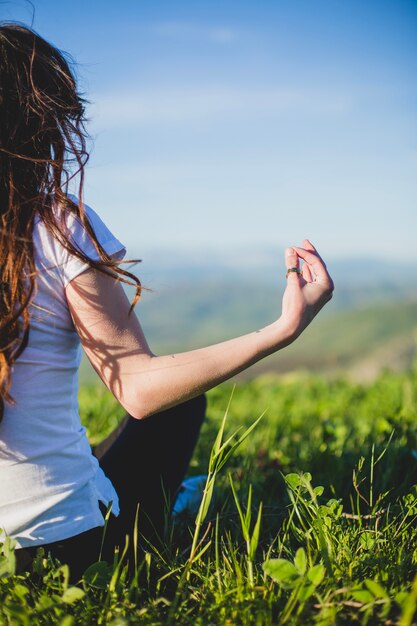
{"x":260,"y":262}
{"x":357,"y":280}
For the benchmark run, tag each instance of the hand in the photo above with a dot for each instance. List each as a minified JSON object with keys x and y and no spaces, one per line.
{"x":307,"y":292}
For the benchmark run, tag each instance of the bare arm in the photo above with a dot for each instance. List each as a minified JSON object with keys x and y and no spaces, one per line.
{"x":144,"y":383}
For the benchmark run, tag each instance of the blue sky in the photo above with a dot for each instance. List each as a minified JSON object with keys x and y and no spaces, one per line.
{"x":250,"y":123}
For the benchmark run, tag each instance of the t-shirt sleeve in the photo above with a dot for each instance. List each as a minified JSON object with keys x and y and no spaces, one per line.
{"x":72,"y":266}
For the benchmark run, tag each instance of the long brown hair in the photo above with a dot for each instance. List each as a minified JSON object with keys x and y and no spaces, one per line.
{"x":42,"y":148}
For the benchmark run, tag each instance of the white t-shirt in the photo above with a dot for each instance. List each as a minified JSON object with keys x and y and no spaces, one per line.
{"x":50,"y":483}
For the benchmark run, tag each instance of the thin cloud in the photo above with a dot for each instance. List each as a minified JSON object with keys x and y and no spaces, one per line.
{"x":175,"y":107}
{"x":190,"y":30}
{"x":146,"y":175}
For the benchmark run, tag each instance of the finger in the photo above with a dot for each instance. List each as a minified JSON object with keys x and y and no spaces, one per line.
{"x":307,"y":274}
{"x":291,"y":262}
{"x":316,"y":265}
{"x":307,"y":245}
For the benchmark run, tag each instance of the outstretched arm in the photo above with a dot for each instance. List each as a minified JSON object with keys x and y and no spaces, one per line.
{"x":144,"y":383}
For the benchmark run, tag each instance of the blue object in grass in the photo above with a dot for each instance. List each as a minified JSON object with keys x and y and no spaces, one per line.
{"x":189,"y":495}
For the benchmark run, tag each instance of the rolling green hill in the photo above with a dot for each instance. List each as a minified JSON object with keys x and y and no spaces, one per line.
{"x":360,"y":342}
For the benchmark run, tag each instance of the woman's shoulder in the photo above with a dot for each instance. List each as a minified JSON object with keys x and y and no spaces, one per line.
{"x":70,"y":228}
{"x":67,"y":219}
{"x":70,"y":224}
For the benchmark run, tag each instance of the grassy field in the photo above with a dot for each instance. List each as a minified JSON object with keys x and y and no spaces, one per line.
{"x":310,"y":519}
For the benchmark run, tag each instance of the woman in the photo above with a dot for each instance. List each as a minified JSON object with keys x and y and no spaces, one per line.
{"x":61,"y":285}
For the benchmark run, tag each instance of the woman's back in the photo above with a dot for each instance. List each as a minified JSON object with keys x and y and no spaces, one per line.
{"x":48,"y":472}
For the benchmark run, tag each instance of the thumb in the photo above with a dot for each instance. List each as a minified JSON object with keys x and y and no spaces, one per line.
{"x":292,"y":264}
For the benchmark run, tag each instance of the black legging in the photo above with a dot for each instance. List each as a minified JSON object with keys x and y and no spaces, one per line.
{"x":146,"y":460}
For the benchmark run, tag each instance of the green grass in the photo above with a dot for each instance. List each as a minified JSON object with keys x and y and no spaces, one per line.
{"x":312,"y":519}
